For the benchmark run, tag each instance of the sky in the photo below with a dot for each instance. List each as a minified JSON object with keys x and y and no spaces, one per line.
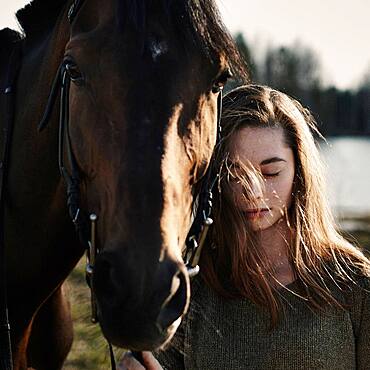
{"x":337,"y":30}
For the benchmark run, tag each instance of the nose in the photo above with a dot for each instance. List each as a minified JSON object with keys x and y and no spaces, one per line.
{"x":256,"y":188}
{"x":159,"y":291}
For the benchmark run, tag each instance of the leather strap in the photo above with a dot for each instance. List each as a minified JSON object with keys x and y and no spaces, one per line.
{"x":198,"y":231}
{"x":8,"y":92}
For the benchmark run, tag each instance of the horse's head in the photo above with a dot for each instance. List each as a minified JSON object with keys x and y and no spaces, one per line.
{"x":143,"y":116}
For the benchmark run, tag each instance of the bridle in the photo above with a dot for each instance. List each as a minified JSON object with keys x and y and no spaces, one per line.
{"x":6,"y":361}
{"x":198,"y":231}
{"x":85,"y":226}
{"x":202,"y":221}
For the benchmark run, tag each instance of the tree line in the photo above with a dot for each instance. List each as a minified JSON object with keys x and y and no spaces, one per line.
{"x":296,"y":71}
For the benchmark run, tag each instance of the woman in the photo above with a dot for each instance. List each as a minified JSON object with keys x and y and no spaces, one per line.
{"x":280,"y":288}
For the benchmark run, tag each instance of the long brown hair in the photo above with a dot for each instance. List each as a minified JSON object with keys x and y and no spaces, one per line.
{"x":232,"y":263}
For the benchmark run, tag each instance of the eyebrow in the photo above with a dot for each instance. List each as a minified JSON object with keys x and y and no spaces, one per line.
{"x":272,"y":160}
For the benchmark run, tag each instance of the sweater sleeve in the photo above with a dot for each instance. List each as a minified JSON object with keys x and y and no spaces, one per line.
{"x":363,"y":334}
{"x":172,"y":357}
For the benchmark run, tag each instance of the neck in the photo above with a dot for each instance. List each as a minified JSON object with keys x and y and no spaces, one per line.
{"x":275,"y":242}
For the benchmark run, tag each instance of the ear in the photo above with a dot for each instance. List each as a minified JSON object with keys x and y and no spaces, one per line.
{"x":8,"y":38}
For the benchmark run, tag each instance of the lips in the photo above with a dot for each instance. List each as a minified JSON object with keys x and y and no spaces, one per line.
{"x":256,"y":213}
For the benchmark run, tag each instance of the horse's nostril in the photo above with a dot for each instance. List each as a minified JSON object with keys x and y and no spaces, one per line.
{"x":174,"y":306}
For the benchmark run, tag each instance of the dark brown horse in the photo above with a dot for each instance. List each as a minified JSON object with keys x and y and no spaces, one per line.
{"x":142,"y":126}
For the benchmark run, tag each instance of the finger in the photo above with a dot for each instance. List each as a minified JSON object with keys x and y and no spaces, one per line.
{"x":128,"y":362}
{"x":150,"y":361}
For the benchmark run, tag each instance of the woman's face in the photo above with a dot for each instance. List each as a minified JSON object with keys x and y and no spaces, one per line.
{"x":265,"y":149}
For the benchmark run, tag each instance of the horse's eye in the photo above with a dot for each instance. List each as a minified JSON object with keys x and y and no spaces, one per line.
{"x":221,"y":80}
{"x":74,"y":73}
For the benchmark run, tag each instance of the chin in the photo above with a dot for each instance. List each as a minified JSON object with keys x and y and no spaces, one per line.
{"x":261,"y":225}
{"x":135,"y":332}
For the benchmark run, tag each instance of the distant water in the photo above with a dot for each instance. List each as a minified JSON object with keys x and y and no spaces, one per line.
{"x":348,"y":174}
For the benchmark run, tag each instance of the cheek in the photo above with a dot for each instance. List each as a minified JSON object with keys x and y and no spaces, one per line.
{"x":280,"y":192}
{"x":235,"y":193}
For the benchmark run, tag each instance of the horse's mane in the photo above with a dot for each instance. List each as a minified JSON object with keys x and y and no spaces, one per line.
{"x":195,"y":20}
{"x":38,"y":15}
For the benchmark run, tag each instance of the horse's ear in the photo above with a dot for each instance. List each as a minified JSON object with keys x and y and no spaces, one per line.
{"x":51,"y":100}
{"x":8,"y":38}
{"x":39,"y":16}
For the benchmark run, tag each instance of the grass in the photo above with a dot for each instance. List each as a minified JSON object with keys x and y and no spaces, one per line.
{"x":90,"y":350}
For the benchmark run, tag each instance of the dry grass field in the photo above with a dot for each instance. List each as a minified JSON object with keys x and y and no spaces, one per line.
{"x":89,"y":350}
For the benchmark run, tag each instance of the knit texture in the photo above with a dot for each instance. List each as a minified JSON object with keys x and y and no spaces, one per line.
{"x":235,"y":334}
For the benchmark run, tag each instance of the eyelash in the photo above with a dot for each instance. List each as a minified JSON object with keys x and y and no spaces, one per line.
{"x":271,"y":174}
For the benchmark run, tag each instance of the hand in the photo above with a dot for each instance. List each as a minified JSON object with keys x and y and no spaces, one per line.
{"x":129,"y":362}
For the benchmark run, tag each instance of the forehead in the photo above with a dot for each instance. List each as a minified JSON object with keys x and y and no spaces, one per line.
{"x":256,"y":144}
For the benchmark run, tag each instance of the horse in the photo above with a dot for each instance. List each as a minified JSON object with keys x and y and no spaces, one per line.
{"x":143,"y":81}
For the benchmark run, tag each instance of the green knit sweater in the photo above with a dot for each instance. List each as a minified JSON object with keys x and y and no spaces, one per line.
{"x":234,"y":334}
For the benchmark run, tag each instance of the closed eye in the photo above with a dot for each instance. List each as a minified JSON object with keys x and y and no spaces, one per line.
{"x":271,"y":174}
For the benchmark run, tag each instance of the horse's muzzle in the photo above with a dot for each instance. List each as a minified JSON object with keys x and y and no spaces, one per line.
{"x":139,"y":305}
